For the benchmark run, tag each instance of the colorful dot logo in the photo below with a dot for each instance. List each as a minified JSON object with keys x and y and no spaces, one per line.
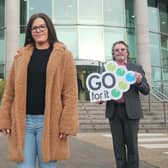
{"x":124,"y":78}
{"x":111,"y":84}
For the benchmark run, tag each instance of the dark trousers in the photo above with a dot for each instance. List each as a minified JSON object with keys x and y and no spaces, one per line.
{"x":125,"y":138}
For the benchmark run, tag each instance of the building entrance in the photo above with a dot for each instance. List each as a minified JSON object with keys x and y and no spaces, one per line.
{"x":84,"y":68}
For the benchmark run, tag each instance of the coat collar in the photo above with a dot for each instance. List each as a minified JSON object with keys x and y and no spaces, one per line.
{"x":24,"y":56}
{"x":129,"y":65}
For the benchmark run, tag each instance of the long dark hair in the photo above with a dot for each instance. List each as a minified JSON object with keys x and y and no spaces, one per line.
{"x":120,"y":42}
{"x":52,"y":37}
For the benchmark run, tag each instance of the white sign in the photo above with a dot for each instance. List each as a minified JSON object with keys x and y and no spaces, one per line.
{"x":111,"y":84}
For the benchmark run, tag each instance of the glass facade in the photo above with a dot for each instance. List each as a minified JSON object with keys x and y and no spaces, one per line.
{"x":158,"y":27}
{"x":2,"y":37}
{"x":89,"y":35}
{"x":90,"y":27}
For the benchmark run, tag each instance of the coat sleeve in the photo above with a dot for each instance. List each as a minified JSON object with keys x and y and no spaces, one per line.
{"x":144,"y":86}
{"x":7,"y":100}
{"x":69,"y":123}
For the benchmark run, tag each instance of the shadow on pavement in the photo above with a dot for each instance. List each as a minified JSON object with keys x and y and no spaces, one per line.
{"x":86,"y":155}
{"x":83,"y":155}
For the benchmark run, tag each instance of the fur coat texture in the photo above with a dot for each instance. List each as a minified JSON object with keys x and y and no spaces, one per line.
{"x":60,"y":103}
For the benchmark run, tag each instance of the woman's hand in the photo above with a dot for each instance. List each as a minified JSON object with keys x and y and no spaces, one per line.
{"x":62,"y":136}
{"x":6,"y":131}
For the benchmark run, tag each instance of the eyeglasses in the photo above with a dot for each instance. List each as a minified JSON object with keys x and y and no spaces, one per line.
{"x":120,"y":49}
{"x":40,"y":28}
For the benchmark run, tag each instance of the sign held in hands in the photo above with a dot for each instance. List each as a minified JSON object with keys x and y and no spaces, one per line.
{"x":111,"y":84}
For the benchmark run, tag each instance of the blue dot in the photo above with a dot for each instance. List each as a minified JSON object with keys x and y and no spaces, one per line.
{"x":130,"y":77}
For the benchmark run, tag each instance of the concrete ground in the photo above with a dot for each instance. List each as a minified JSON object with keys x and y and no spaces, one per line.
{"x":94,"y":150}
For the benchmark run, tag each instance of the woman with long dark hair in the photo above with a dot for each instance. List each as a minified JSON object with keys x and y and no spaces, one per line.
{"x":39,"y":105}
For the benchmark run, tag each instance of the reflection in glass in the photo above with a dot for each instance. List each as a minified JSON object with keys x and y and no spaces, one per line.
{"x":39,"y":6}
{"x":91,"y":43}
{"x":68,"y":35}
{"x":65,"y":12}
{"x":90,"y":12}
{"x":153,"y":14}
{"x":114,"y":12}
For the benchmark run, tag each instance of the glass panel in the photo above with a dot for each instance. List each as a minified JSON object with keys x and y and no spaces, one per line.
{"x":155,"y":49}
{"x":39,"y":6}
{"x":114,"y":12}
{"x":112,"y":35}
{"x":68,"y":35}
{"x":132,"y":44}
{"x":2,"y":13}
{"x":156,"y":75}
{"x":163,"y":12}
{"x":65,"y":11}
{"x":83,"y":72}
{"x":2,"y":37}
{"x":21,"y":39}
{"x":23,"y":15}
{"x":155,"y":56}
{"x":152,"y":3}
{"x":90,"y":12}
{"x":130,"y":16}
{"x":23,"y":21}
{"x":164,"y":51}
{"x":2,"y":53}
{"x":91,"y":43}
{"x":153,"y":14}
{"x":158,"y":22}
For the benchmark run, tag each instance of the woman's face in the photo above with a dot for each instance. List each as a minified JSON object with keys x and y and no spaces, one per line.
{"x":39,"y":31}
{"x":120,"y":53}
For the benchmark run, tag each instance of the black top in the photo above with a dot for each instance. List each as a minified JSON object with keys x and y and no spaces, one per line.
{"x":36,"y":81}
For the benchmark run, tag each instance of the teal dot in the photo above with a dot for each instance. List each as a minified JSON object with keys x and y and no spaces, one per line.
{"x":130,"y":77}
{"x":115,"y":93}
{"x":120,"y":72}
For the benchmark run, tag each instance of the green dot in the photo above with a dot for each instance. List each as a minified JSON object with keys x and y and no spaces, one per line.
{"x":111,"y":67}
{"x":120,"y":72}
{"x":115,"y":93}
{"x":122,"y":85}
